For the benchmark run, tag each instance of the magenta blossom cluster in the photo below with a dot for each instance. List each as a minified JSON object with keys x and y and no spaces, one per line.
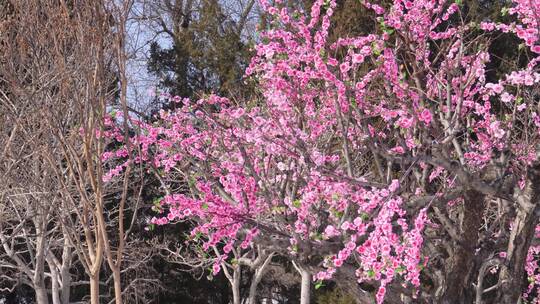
{"x":291,"y":167}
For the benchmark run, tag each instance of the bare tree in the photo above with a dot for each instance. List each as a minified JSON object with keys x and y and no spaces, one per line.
{"x":57,"y":82}
{"x":33,"y":244}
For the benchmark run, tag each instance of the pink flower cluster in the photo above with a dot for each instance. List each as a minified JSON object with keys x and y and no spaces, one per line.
{"x":283,"y":169}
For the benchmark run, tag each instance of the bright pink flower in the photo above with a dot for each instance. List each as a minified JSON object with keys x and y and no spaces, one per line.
{"x":425,"y":116}
{"x":344,"y":67}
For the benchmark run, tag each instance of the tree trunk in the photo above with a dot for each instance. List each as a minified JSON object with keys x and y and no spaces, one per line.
{"x":346,"y":280}
{"x":523,"y":231}
{"x":252,"y":298}
{"x":65,"y":276}
{"x":235,"y":284}
{"x":94,"y":288}
{"x":41,"y":295}
{"x":461,"y":265}
{"x":258,"y":272}
{"x":55,"y":291}
{"x":305,"y":287}
{"x":39,"y":272}
{"x":117,"y":286}
{"x":55,"y":288}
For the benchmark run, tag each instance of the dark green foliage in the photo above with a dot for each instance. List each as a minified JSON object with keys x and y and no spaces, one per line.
{"x":207,"y":55}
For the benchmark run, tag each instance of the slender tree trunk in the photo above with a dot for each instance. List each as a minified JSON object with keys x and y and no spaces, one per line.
{"x":235,"y":284}
{"x":305,"y":287}
{"x":117,"y":286}
{"x":55,"y":288}
{"x":65,"y":276}
{"x":94,"y":288}
{"x":259,"y":271}
{"x":236,"y":294}
{"x":55,"y":291}
{"x":39,"y":273}
{"x":252,"y":298}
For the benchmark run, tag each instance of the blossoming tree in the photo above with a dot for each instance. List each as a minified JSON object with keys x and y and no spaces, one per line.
{"x":385,"y":162}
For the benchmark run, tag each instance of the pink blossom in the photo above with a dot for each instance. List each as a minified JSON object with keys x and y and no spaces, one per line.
{"x":357,"y":58}
{"x":505,"y":97}
{"x":216,"y":268}
{"x":330,"y":231}
{"x":425,"y":116}
{"x":344,"y":67}
{"x":286,"y":165}
{"x":397,"y":150}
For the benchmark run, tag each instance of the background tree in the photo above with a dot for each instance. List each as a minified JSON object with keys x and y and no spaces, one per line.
{"x":59,"y":71}
{"x":209,"y":46}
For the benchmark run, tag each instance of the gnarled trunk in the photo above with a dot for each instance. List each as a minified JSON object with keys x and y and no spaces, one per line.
{"x":523,"y":231}
{"x":461,"y":266}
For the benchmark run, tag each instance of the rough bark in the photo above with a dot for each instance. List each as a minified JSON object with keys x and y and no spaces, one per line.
{"x":346,"y":280}
{"x":41,"y":295}
{"x":511,"y":277}
{"x":461,"y":264}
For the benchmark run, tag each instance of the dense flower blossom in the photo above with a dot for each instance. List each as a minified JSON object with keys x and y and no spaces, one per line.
{"x":283,"y":168}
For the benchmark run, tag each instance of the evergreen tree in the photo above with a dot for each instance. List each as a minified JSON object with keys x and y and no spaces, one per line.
{"x":208,"y":52}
